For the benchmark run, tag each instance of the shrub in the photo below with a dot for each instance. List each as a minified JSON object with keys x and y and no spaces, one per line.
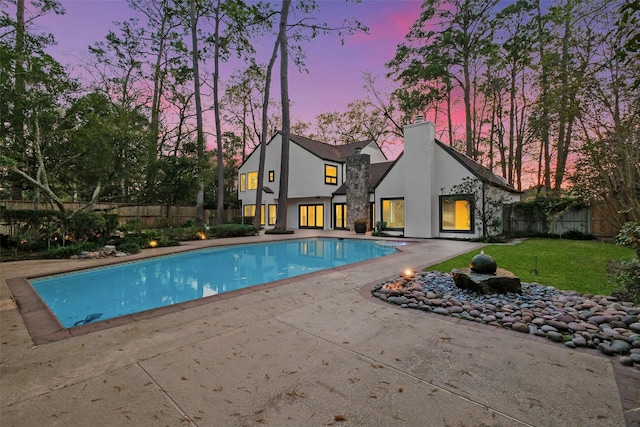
{"x":379,"y":229}
{"x":625,"y":277}
{"x":129,"y":248}
{"x":85,"y":226}
{"x":629,"y":236}
{"x":163,"y":223}
{"x":242,"y":220}
{"x":133,"y":225}
{"x":232,"y":230}
{"x":577,"y":235}
{"x":276,"y":231}
{"x":68,"y":251}
{"x":182,"y":234}
{"x":159,"y":236}
{"x":111,"y":223}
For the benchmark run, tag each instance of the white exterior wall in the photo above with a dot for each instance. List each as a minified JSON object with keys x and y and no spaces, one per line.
{"x":419,"y":176}
{"x":306,"y":180}
{"x":306,"y":174}
{"x":392,"y":186}
{"x":449,"y":173}
{"x":374,"y":152}
{"x":452,"y":173}
{"x":271,"y":162}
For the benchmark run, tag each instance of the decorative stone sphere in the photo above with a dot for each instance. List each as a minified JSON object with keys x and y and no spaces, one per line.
{"x":483,"y":264}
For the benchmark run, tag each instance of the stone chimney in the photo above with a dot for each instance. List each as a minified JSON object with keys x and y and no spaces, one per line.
{"x":357,"y":182}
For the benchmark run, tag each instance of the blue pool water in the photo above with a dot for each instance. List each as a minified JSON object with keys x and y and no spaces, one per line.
{"x":105,"y":293}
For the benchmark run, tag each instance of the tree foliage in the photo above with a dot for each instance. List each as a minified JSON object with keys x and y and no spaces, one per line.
{"x":531,"y":75}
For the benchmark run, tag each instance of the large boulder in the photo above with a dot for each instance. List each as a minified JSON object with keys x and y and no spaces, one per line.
{"x":501,"y":282}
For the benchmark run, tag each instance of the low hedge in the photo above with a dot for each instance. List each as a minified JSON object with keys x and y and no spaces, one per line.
{"x":232,"y":230}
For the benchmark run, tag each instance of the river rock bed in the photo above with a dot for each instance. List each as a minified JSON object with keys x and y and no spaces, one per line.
{"x":593,"y":321}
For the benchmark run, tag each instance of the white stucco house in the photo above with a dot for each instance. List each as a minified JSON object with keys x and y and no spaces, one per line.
{"x":412,"y":194}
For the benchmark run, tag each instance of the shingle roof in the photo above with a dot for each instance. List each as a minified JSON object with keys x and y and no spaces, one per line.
{"x":477,"y":169}
{"x":335,"y":153}
{"x":378,"y":171}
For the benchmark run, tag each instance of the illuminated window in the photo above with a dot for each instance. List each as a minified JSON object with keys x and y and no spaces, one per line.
{"x":272,"y":176}
{"x":243,"y":182}
{"x":456,"y":213}
{"x":311,"y":216}
{"x":340,"y":215}
{"x":250,"y":210}
{"x":273,"y":214}
{"x":330,"y":174}
{"x":252,"y":178}
{"x":393,"y":213}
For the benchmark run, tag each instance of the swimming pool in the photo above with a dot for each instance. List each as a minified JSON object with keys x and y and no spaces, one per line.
{"x":105,"y":293}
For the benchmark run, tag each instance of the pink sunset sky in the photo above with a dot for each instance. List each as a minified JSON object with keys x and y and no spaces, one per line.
{"x":335,"y":70}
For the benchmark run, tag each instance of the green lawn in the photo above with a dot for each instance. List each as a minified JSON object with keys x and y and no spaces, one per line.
{"x":566,"y":264}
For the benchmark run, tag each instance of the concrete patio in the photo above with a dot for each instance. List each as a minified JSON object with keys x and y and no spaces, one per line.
{"x":312,"y":350}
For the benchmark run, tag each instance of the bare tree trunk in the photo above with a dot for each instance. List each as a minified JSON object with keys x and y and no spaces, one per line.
{"x":216,"y":113}
{"x":544,"y":96}
{"x":158,"y":88}
{"x":281,"y":222}
{"x":521,"y":129}
{"x":467,"y":110}
{"x":19,"y":113}
{"x":449,"y":118}
{"x":264,"y":135}
{"x":199,"y":125}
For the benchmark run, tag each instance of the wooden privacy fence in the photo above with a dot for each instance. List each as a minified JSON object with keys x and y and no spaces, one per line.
{"x":597,"y":219}
{"x":149,"y":216}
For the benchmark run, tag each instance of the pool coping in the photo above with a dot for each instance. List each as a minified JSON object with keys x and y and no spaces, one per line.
{"x":44,"y":327}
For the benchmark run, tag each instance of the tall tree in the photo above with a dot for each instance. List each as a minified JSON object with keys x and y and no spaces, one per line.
{"x":242,"y":103}
{"x":298,"y":33}
{"x":23,"y":58}
{"x":232,"y":22}
{"x":201,"y":166}
{"x":257,"y":219}
{"x":629,"y":33}
{"x":166,"y":53}
{"x":449,"y":53}
{"x":608,"y":161}
{"x":360,"y":122}
{"x":282,"y":41}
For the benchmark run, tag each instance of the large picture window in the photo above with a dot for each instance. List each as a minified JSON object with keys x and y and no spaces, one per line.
{"x":393,"y":213}
{"x":311,"y":216}
{"x":456,"y":213}
{"x":252,"y":180}
{"x":243,"y":182}
{"x":331,"y":174}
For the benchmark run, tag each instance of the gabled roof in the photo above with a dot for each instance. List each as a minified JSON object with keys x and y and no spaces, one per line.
{"x":477,"y":169}
{"x":334,"y":153}
{"x":378,"y":171}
